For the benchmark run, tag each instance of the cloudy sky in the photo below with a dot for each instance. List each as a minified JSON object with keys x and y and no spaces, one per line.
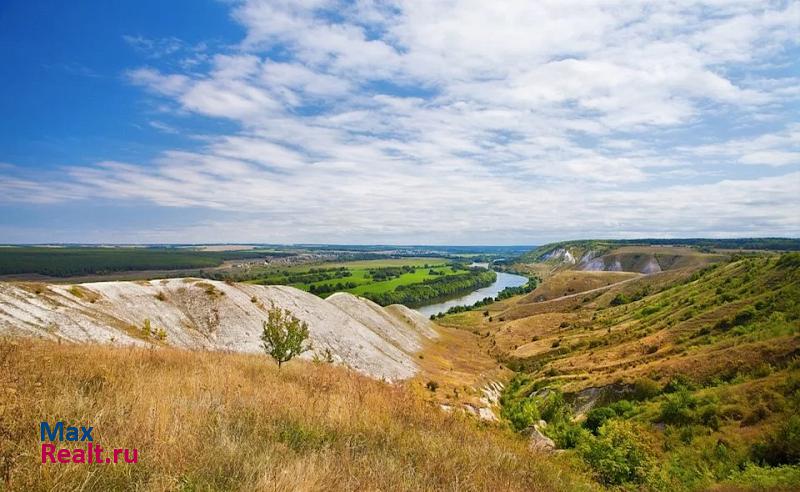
{"x":433,"y":122}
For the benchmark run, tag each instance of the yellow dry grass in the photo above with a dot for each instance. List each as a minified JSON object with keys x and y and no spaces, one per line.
{"x":574,"y":282}
{"x":216,"y":421}
{"x":459,"y":363}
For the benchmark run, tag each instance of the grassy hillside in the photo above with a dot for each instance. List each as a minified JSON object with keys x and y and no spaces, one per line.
{"x":693,"y":379}
{"x":602,"y":246}
{"x":616,"y":256}
{"x":214,"y":421}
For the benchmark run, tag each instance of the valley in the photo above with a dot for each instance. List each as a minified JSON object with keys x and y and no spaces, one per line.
{"x":621,"y":375}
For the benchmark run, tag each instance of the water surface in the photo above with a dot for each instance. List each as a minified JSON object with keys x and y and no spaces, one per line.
{"x":503,"y":280}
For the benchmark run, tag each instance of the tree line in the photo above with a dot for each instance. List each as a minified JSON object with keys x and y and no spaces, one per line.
{"x":430,"y":289}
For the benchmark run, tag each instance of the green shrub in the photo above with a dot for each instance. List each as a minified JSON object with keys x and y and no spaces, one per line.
{"x":553,"y":408}
{"x":620,"y":299}
{"x":677,"y":383}
{"x":645,"y":388}
{"x":648,"y":310}
{"x":618,"y":455}
{"x":597,"y":417}
{"x":678,"y":408}
{"x":566,"y":434}
{"x":521,"y":414}
{"x":623,"y":408}
{"x":709,"y":416}
{"x":755,"y":477}
{"x":756,"y":415}
{"x":782,"y":447}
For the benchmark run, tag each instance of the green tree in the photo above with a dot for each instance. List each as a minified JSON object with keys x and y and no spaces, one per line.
{"x":283,"y":335}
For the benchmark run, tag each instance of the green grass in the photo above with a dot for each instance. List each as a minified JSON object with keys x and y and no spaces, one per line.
{"x":359,"y":274}
{"x":405,"y":279}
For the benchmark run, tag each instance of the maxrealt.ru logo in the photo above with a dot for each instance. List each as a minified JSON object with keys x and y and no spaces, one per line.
{"x":92,"y":453}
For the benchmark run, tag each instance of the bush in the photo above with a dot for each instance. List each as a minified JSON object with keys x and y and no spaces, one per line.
{"x":756,"y":415}
{"x":782,"y":447}
{"x":521,"y":413}
{"x":765,"y":478}
{"x":618,"y":455}
{"x":597,"y":417}
{"x":567,"y":435}
{"x":678,"y":408}
{"x":709,"y":416}
{"x":677,"y":383}
{"x":620,"y":299}
{"x":554,"y":409}
{"x":432,"y":386}
{"x":645,"y":388}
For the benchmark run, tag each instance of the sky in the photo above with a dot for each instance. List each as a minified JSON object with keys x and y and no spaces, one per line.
{"x":412,"y":122}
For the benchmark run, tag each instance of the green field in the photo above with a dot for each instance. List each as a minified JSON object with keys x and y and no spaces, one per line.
{"x":409,"y":281}
{"x":359,"y":274}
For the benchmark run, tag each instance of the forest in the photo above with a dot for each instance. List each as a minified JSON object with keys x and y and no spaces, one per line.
{"x":75,"y":261}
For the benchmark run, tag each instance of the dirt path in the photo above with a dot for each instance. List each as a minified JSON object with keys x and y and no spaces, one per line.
{"x":590,"y":291}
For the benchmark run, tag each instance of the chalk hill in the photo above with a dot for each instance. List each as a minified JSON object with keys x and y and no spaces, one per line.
{"x":202,"y":314}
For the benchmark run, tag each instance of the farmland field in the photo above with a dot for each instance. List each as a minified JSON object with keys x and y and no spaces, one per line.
{"x":384,"y":281}
{"x":358,"y":273}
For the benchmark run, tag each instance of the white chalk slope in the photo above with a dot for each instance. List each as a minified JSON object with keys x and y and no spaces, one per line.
{"x":205,"y":314}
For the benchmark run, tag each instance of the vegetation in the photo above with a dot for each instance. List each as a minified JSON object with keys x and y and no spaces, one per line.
{"x":694,"y":377}
{"x":284,"y":336}
{"x":434,"y":288}
{"x":604,"y":245}
{"x":76,"y":261}
{"x":219,"y":421}
{"x":374,"y":279}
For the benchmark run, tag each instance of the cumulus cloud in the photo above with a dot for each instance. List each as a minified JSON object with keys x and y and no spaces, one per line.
{"x":481,"y":122}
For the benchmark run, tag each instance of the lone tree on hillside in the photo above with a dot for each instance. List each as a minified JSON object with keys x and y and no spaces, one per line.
{"x":283,"y":335}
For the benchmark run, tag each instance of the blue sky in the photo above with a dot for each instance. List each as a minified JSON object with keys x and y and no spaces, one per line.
{"x":398,"y":122}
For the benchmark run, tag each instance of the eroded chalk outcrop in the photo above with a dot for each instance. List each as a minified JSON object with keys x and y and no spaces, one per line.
{"x":211,"y":315}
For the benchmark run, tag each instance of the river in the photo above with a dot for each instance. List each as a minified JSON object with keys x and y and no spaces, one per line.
{"x":503,"y":280}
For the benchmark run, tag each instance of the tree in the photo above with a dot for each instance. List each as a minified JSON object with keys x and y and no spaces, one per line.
{"x":283,"y":335}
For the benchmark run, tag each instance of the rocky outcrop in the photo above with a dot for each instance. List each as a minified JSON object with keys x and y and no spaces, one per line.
{"x":538,"y":441}
{"x":560,"y":254}
{"x":211,"y":315}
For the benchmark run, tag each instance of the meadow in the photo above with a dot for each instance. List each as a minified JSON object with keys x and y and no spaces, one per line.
{"x":386,"y":281}
{"x":220,"y":421}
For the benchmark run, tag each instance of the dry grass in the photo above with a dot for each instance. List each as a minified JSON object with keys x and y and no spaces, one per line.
{"x":589,"y":343}
{"x":574,"y":282}
{"x":205,"y":421}
{"x":459,"y":363}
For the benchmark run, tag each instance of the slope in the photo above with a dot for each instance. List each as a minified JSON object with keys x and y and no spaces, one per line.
{"x":681,"y":380}
{"x":202,"y":314}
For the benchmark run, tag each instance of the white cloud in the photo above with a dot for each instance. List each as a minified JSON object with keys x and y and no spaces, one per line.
{"x":474,"y":121}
